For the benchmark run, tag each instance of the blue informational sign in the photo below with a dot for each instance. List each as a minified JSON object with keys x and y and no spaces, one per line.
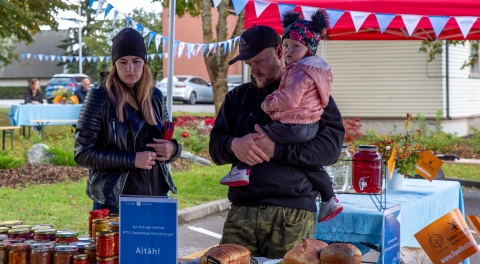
{"x":391,"y":235}
{"x":148,"y":230}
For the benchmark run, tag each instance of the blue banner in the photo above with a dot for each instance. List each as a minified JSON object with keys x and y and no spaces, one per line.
{"x":148,"y":230}
{"x":391,"y":235}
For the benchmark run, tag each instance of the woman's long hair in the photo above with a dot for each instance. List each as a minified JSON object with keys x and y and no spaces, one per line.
{"x":32,"y":82}
{"x":119,"y":94}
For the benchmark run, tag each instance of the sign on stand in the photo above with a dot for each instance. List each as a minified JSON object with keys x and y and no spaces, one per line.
{"x":391,"y":235}
{"x":148,"y":230}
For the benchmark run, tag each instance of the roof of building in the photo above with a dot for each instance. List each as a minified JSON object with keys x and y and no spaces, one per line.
{"x":45,"y":43}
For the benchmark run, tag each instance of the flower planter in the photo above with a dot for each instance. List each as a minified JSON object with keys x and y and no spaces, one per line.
{"x":396,"y":183}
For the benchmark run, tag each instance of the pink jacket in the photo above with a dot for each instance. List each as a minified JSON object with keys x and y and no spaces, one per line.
{"x":303,"y":92}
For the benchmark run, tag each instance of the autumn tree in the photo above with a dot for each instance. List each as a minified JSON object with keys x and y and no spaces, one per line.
{"x":217,"y":64}
{"x":435,"y":47}
{"x":22,"y":19}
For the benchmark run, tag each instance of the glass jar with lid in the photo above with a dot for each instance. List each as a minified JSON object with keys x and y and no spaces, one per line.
{"x":20,"y":233}
{"x":41,"y":253}
{"x":18,"y":253}
{"x":367,"y":169}
{"x":45,"y":235}
{"x":91,"y":252}
{"x":105,"y":244}
{"x":4,"y":230}
{"x":114,"y":227}
{"x":96,"y":214}
{"x":105,"y":260}
{"x":63,"y":254}
{"x":99,"y":225}
{"x":11,"y":223}
{"x":80,"y":259}
{"x":4,"y":253}
{"x":65,"y":237}
{"x":80,"y":246}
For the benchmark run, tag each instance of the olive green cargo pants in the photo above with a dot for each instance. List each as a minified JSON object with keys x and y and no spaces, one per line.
{"x":267,"y":230}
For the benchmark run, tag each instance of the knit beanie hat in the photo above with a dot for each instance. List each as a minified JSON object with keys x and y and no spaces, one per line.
{"x":306,"y":32}
{"x":128,"y":42}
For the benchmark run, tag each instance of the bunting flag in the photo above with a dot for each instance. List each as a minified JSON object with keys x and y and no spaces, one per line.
{"x":29,"y":55}
{"x":100,"y":6}
{"x":283,"y":8}
{"x":152,"y":56}
{"x":358,"y":19}
{"x":384,"y":20}
{"x":260,"y":6}
{"x":334,"y":16}
{"x":151,"y":35}
{"x":158,"y":39}
{"x":107,"y":10}
{"x":239,"y":5}
{"x":438,"y":23}
{"x":115,"y":15}
{"x":308,"y":12}
{"x":40,"y":57}
{"x":465,"y":24}
{"x":181,"y":46}
{"x":411,"y":22}
{"x":146,"y":31}
{"x":101,"y":58}
{"x":216,"y":3}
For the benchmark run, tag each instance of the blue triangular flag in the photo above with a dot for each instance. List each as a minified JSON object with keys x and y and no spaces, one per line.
{"x":59,"y":57}
{"x":204,"y":48}
{"x":91,"y":3}
{"x":107,"y":10}
{"x":384,"y":20}
{"x":47,"y":57}
{"x":128,"y":21}
{"x":151,"y":35}
{"x":160,"y":55}
{"x":438,"y":23}
{"x":238,"y":5}
{"x":35,"y":55}
{"x":225,"y":44}
{"x":83,"y":58}
{"x":94,"y":58}
{"x":107,"y":58}
{"x":334,"y":16}
{"x":282,"y":8}
{"x":23,"y":55}
{"x":139,"y":28}
{"x":175,"y":46}
{"x":70,"y":58}
{"x":164,"y":41}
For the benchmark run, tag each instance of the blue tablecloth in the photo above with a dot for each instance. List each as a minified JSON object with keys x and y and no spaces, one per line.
{"x":422,"y":202}
{"x":20,"y":114}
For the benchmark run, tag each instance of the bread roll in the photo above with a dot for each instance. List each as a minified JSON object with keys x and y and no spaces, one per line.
{"x":228,"y":254}
{"x":340,"y":253}
{"x":305,"y":252}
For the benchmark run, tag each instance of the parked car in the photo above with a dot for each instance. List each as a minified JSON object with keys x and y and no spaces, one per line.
{"x":189,"y":89}
{"x":70,"y":81}
{"x":233,"y":81}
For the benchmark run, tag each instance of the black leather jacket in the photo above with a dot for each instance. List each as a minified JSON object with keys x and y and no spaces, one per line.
{"x":100,"y":145}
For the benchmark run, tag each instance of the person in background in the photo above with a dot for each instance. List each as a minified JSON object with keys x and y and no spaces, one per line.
{"x":33,"y":95}
{"x":82,"y":92}
{"x":277,"y":208}
{"x":119,"y":130}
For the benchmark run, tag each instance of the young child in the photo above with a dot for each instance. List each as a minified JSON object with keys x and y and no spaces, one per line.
{"x":297,"y":105}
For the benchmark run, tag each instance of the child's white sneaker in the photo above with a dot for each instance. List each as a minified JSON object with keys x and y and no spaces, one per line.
{"x":329,"y":210}
{"x":236,"y":177}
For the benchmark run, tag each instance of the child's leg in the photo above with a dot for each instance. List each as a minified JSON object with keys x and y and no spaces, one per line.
{"x":238,"y":175}
{"x":330,"y":205}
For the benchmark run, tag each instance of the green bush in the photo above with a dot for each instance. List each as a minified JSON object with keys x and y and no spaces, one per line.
{"x":14,"y":92}
{"x":9,"y":160}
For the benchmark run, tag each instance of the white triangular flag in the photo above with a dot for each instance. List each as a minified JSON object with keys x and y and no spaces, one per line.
{"x":146,"y":31}
{"x":358,"y":19}
{"x":465,"y":24}
{"x":181,"y":46}
{"x":165,"y":55}
{"x":411,"y":22}
{"x":231,"y":42}
{"x":158,"y":40}
{"x":52,"y":57}
{"x":210,"y":47}
{"x":190,"y":49}
{"x":115,"y":15}
{"x":152,"y":56}
{"x":134,"y":24}
{"x":197,"y":50}
{"x":99,"y":6}
{"x":101,"y":58}
{"x":76,"y":58}
{"x":216,"y":3}
{"x":89,"y":58}
{"x":40,"y":56}
{"x":260,"y":6}
{"x":308,"y":12}
{"x":29,"y":55}
{"x":64,"y":58}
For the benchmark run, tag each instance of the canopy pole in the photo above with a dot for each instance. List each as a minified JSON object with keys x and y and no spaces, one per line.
{"x":324,"y":48}
{"x":171,"y":56}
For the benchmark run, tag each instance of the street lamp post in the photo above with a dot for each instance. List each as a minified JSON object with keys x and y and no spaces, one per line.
{"x":80,"y":70}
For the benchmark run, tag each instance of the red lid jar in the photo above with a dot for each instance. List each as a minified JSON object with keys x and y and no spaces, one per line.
{"x":96,"y":214}
{"x":367,"y":169}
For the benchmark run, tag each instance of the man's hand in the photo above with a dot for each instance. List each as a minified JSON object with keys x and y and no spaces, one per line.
{"x":247,"y":151}
{"x":264,"y":143}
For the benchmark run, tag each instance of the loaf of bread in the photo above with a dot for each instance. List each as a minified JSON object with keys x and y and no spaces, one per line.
{"x":340,"y":253}
{"x":305,"y":252}
{"x":228,"y":254}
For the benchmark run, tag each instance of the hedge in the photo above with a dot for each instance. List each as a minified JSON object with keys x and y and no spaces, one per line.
{"x":14,"y":92}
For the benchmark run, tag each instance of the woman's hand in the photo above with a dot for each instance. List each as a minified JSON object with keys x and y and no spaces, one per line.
{"x":145,"y":160}
{"x":163,"y":148}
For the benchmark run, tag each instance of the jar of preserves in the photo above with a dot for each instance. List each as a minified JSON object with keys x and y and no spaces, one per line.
{"x":11,"y":223}
{"x":42,"y":226}
{"x":65,"y":237}
{"x":64,"y":254}
{"x":116,"y":260}
{"x":105,"y":244}
{"x":99,"y":225}
{"x":45,"y":235}
{"x":115,"y":227}
{"x":105,"y":260}
{"x":4,"y":230}
{"x":20,"y":233}
{"x":3,"y":237}
{"x":4,"y":253}
{"x":41,"y":253}
{"x":18,"y":253}
{"x":91,"y":252}
{"x":80,"y":246}
{"x":367,"y":169}
{"x":81,"y":259}
{"x":96,"y":214}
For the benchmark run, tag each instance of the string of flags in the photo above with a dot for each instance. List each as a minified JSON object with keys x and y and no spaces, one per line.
{"x":410,"y":21}
{"x":90,"y":59}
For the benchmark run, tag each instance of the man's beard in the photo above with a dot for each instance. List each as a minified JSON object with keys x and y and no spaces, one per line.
{"x":275,"y":75}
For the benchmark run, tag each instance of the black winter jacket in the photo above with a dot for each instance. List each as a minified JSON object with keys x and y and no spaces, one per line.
{"x":101,"y":146}
{"x":281,"y":181}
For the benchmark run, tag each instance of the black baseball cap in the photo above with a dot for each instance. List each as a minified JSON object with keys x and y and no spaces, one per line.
{"x":254,"y":40}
